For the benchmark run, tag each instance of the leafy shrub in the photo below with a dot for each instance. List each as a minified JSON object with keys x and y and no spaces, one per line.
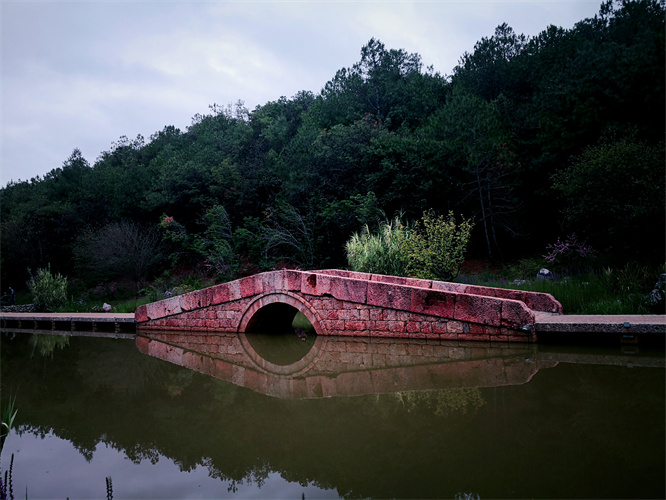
{"x":436,"y":246}
{"x":381,"y":253}
{"x":49,"y":292}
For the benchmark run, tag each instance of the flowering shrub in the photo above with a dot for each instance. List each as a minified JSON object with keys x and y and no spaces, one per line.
{"x":568,"y":251}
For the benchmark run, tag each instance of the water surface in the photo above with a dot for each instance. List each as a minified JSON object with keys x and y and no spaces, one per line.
{"x":282,"y":417}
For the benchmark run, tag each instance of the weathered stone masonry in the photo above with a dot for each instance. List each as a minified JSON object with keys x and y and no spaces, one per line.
{"x":357,"y":304}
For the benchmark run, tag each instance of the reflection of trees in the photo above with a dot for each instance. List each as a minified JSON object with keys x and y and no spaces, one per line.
{"x":415,"y":444}
{"x":45,"y":345}
{"x":444,"y":402}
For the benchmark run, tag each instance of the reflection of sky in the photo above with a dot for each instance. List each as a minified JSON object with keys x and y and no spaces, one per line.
{"x":53,"y":468}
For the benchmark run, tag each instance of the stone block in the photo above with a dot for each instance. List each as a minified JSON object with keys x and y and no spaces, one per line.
{"x":433,"y":303}
{"x":413,"y":327}
{"x":333,"y":325}
{"x":397,"y":326}
{"x":291,"y":280}
{"x":330,"y":314}
{"x":390,"y":315}
{"x":516,"y":315}
{"x":315,"y":284}
{"x":446,"y":286}
{"x":394,"y":280}
{"x":376,"y":314}
{"x":381,"y":325}
{"x":439,"y":327}
{"x":273,"y":281}
{"x":356,"y":325}
{"x":141,"y":315}
{"x":475,"y":328}
{"x":250,"y":286}
{"x":472,"y":336}
{"x":454,"y":327}
{"x":190,"y":301}
{"x":348,"y":290}
{"x":389,"y":296}
{"x":348,"y":314}
{"x":477,"y":309}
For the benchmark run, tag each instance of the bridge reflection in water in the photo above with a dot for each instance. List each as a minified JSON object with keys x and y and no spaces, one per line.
{"x":293,"y":367}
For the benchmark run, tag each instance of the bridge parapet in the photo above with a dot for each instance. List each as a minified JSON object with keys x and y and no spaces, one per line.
{"x":351,"y":304}
{"x":537,"y":301}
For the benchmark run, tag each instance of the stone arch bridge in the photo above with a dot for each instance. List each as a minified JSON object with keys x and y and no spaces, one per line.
{"x":346,"y":303}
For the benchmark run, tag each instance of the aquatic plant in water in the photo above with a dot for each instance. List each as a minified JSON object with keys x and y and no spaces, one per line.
{"x":8,"y":416}
{"x":6,"y":485}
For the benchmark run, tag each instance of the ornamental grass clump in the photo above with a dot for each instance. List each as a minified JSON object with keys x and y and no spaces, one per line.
{"x":49,"y":291}
{"x":381,"y":253}
{"x":433,"y":248}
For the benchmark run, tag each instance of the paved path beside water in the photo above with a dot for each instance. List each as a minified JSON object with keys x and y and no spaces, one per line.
{"x":598,"y":323}
{"x":87,"y":317}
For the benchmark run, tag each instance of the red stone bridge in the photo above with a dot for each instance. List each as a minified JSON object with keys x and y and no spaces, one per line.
{"x":346,"y":303}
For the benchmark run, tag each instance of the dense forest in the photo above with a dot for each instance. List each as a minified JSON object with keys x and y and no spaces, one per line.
{"x":535,"y":138}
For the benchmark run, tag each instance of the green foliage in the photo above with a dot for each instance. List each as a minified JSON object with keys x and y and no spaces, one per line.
{"x":444,"y":403}
{"x":48,"y":291}
{"x":8,"y":416}
{"x":120,"y":249}
{"x":435,"y":247}
{"x":46,"y":345}
{"x":615,"y":193}
{"x":215,"y":243}
{"x":287,"y":235}
{"x":613,"y":290}
{"x":298,"y":176}
{"x":381,"y":253}
{"x":129,"y":306}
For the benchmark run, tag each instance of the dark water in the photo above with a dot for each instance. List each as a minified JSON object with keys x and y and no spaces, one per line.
{"x":232,"y":416}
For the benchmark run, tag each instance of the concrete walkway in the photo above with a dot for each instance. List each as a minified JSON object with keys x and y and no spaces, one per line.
{"x":87,"y":317}
{"x":579,"y":323}
{"x":42,"y":322}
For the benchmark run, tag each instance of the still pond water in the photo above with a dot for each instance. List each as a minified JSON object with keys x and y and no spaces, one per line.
{"x":283,"y":416}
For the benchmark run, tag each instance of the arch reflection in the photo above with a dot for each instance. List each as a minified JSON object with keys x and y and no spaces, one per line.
{"x":342,"y":366}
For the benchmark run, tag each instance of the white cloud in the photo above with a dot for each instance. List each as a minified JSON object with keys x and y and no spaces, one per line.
{"x":78,"y":74}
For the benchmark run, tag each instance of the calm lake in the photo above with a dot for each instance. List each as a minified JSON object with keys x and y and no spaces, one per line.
{"x":305,"y":417}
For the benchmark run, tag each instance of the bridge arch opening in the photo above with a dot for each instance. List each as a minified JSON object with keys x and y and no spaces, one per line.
{"x":278,"y":317}
{"x":280,"y":328}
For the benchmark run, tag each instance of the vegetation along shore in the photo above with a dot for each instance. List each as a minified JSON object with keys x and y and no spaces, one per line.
{"x":540,"y":153}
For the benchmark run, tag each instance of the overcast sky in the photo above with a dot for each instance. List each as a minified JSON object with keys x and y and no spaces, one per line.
{"x":80,"y":74}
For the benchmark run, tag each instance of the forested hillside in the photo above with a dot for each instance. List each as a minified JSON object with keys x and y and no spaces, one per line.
{"x":535,"y":138}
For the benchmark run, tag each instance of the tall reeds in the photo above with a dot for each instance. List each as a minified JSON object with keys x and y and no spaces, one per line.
{"x":381,"y":252}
